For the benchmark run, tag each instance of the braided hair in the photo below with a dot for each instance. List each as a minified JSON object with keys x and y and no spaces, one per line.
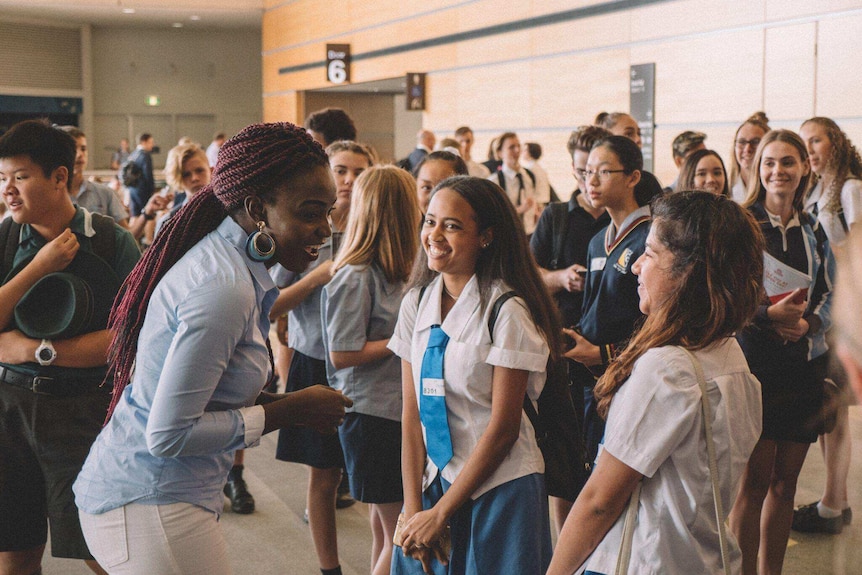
{"x":252,"y":163}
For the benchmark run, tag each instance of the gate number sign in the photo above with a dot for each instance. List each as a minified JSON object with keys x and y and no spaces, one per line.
{"x":338,"y":63}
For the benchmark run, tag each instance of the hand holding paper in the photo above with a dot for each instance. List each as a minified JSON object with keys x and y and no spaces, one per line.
{"x":788,"y":310}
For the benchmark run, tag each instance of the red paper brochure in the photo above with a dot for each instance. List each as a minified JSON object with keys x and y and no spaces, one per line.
{"x":780,"y":279}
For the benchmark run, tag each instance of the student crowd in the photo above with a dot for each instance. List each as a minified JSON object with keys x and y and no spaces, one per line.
{"x":417,"y":310}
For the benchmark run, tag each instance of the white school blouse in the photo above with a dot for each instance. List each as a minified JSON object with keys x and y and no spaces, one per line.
{"x":655,"y":426}
{"x":468,"y":369}
{"x":851,"y":204}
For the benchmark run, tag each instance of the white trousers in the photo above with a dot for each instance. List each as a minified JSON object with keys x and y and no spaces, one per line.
{"x":175,"y":539}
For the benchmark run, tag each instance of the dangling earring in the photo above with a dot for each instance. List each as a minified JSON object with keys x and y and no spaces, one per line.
{"x":260,"y":246}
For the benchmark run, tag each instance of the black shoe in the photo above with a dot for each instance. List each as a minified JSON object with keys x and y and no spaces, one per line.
{"x":806,"y":519}
{"x":344,"y":500}
{"x":241,"y":501}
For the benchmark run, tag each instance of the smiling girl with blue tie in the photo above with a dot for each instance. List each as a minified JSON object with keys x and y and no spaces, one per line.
{"x":464,"y":390}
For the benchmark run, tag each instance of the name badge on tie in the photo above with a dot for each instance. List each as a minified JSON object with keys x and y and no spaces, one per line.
{"x":432,"y":387}
{"x":597,"y":264}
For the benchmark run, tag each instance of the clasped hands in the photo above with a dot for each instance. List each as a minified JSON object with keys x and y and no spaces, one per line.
{"x":424,"y":537}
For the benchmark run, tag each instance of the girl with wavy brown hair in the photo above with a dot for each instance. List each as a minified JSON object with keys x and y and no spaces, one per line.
{"x":836,"y":200}
{"x":699,"y":282}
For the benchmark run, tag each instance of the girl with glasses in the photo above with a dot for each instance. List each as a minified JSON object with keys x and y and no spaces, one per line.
{"x":745,"y":142}
{"x":610,"y":306}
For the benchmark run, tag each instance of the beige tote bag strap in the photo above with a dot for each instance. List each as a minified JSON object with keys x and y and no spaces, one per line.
{"x":628,"y":532}
{"x":713,"y":465}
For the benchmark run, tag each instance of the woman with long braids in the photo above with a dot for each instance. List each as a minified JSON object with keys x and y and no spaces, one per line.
{"x":190,"y":356}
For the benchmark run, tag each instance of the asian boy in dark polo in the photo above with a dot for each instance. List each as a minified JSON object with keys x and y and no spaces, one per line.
{"x":52,"y":397}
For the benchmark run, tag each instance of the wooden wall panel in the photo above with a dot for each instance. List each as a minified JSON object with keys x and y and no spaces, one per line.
{"x":283,"y":108}
{"x":443,"y":99}
{"x":511,"y":46}
{"x":588,"y":34}
{"x":839,"y":83}
{"x":496,"y":97}
{"x":364,"y":13}
{"x":303,"y":21}
{"x":715,"y":77}
{"x":789,"y":71}
{"x":571,"y":90}
{"x":669,"y":19}
{"x":716,"y":63}
{"x":274,"y":81}
{"x":783,"y":9}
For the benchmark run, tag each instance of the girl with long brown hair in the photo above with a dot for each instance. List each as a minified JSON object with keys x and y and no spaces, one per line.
{"x":786,"y":349}
{"x":699,"y":282}
{"x":464,"y":389}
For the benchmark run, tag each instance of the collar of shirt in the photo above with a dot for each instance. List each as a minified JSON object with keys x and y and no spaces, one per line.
{"x":814,"y":197}
{"x":236,"y":236}
{"x":776,"y":220}
{"x":81,"y":224}
{"x":84,"y":187}
{"x":509,"y":172}
{"x":638,"y":213}
{"x":466,"y":305}
{"x":423,"y":147}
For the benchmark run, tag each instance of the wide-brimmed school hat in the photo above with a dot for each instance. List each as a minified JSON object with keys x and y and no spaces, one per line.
{"x":71,"y":302}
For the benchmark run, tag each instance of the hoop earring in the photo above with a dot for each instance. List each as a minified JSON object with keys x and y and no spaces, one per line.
{"x":260,"y":246}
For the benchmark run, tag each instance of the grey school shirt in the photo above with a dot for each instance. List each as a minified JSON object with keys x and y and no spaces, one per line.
{"x":360,"y":305}
{"x":304,"y":332}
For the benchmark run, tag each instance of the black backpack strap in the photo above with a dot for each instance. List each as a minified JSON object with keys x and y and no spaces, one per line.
{"x":9,"y":233}
{"x":532,"y":177}
{"x":421,"y":293}
{"x":559,"y":217}
{"x":495,"y":311}
{"x":843,"y":219}
{"x":104,"y":243}
{"x":501,"y":179}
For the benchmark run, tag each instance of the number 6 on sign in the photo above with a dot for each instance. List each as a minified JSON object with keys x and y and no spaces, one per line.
{"x":338,"y":63}
{"x":336,"y":72}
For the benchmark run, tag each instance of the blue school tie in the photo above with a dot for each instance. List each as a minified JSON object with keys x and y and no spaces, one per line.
{"x":432,"y":400}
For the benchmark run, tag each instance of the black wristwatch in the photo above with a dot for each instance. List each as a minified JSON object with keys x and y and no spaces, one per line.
{"x":45,"y":353}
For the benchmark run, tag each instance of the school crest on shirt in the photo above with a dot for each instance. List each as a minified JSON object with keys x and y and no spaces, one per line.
{"x":622,"y":263}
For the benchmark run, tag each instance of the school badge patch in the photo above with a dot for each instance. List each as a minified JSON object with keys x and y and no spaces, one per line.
{"x":622,"y":263}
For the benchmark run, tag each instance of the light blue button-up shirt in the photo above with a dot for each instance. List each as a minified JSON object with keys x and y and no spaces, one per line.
{"x":201,"y":362}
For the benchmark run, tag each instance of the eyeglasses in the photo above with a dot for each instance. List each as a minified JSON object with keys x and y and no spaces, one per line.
{"x":603,"y":175}
{"x":742,"y":143}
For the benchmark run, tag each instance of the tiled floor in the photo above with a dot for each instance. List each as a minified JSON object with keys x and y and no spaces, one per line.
{"x":275,"y":541}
